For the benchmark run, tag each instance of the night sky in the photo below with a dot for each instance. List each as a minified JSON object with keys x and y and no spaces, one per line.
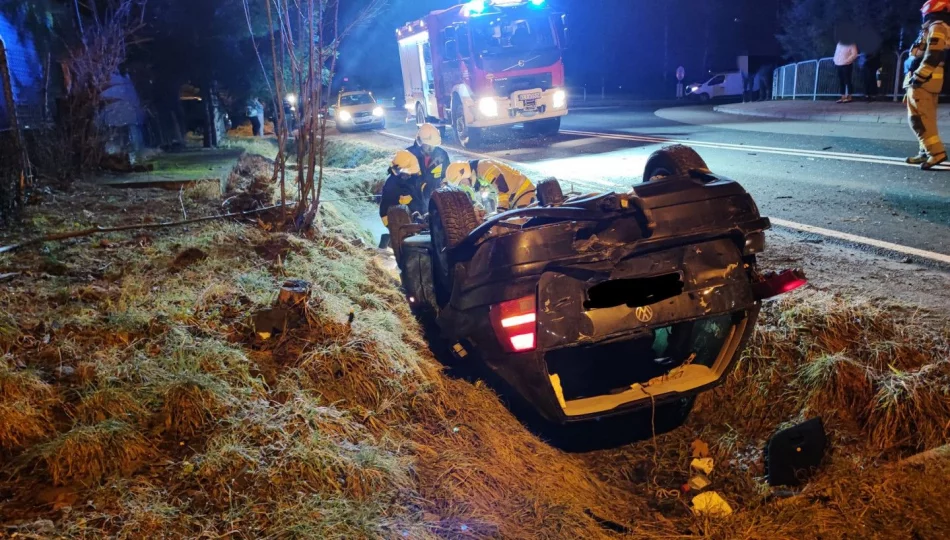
{"x":619,"y":42}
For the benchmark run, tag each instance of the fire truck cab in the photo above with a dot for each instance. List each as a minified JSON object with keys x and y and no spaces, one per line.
{"x":486,"y":64}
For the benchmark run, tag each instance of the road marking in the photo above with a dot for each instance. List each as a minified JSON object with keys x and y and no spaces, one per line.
{"x":811,"y":229}
{"x":861,"y":158}
{"x":855,"y":239}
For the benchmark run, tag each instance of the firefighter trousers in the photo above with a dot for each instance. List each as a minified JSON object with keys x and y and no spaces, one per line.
{"x":922,"y":112}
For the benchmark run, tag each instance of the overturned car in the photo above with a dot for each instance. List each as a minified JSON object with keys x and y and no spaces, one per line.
{"x":597,"y":305}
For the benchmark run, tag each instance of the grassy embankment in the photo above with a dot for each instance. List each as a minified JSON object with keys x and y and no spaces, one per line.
{"x":136,"y":400}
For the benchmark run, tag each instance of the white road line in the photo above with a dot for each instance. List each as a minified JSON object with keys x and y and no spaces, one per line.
{"x":847,"y":237}
{"x":861,"y":158}
{"x":855,"y":239}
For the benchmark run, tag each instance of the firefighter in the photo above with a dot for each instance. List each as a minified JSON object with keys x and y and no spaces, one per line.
{"x":924,"y":82}
{"x":433,"y":159}
{"x":513,"y":188}
{"x":406,"y":185}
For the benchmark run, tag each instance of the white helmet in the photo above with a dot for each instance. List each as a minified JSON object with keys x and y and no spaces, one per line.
{"x":459,"y":172}
{"x":405,"y":163}
{"x":428,"y":135}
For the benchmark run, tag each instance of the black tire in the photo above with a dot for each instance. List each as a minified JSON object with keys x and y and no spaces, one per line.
{"x":451,"y":219}
{"x":676,"y":160}
{"x":545,"y":128}
{"x":704,"y":97}
{"x":549,"y":192}
{"x":397,"y":219}
{"x":468,"y":137}
{"x":420,"y":114}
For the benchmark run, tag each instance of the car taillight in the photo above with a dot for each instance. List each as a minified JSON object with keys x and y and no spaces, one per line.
{"x":516,"y":324}
{"x":773,"y":285}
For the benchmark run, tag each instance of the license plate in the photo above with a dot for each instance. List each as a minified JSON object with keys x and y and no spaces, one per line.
{"x":531,"y":96}
{"x":363,"y":120}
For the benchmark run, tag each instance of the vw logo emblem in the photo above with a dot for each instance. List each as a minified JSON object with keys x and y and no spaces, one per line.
{"x":644,"y":314}
{"x":520,"y":63}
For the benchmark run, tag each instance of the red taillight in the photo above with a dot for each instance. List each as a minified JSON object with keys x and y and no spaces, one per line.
{"x":515,"y":324}
{"x":776,"y":284}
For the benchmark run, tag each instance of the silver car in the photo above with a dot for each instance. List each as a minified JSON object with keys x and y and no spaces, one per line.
{"x":357,"y":110}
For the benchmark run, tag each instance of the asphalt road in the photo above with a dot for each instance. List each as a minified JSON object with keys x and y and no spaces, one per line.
{"x":844,"y":177}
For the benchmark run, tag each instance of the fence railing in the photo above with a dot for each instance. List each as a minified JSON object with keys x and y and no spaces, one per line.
{"x":813,"y":79}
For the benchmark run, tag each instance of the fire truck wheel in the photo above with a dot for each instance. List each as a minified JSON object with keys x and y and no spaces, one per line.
{"x":550,"y":193}
{"x":397,"y":218}
{"x":451,"y":219}
{"x":675,"y":160}
{"x":468,"y":137}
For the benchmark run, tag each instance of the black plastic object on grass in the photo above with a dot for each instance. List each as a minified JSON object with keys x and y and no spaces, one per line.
{"x":794,"y":454}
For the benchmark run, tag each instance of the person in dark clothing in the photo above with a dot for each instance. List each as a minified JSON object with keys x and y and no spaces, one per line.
{"x":433,"y":159}
{"x":872,"y":63}
{"x":406,"y":185}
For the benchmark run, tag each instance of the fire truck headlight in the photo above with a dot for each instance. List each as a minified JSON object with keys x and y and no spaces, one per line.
{"x":560,"y":99}
{"x":488,"y":106}
{"x":378,"y":111}
{"x":345,"y":116}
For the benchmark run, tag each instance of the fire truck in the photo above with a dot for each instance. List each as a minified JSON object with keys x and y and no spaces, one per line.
{"x":486,"y":64}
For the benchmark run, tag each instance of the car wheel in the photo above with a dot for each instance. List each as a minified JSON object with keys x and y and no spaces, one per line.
{"x":468,"y":137}
{"x":397,"y":219}
{"x":451,"y":219}
{"x":704,"y":97}
{"x":676,"y":160}
{"x":549,"y":192}
{"x":382,"y":125}
{"x":420,"y":114}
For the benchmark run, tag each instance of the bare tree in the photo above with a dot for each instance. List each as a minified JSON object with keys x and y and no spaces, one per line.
{"x":305,"y":41}
{"x":88,"y":69}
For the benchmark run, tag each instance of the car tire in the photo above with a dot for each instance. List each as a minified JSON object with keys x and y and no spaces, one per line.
{"x":451,"y":219}
{"x":675,"y":160}
{"x":549,"y":192}
{"x":703,"y":97}
{"x":467,"y":136}
{"x":397,"y":219}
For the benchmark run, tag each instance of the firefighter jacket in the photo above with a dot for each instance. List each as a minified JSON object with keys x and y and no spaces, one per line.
{"x":412,"y":191}
{"x":433,"y":167}
{"x":513,"y":188}
{"x":928,"y":54}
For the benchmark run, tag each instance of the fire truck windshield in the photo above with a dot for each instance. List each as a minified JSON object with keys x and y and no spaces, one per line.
{"x":503,"y":35}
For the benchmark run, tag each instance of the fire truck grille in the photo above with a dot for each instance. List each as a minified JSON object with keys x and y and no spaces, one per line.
{"x":505,"y":87}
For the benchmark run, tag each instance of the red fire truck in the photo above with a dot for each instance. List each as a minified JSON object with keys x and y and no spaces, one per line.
{"x":486,"y":64}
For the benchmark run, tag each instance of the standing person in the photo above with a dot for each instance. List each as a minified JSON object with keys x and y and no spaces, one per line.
{"x":924,"y":82}
{"x":872,"y":63}
{"x":845,"y":55}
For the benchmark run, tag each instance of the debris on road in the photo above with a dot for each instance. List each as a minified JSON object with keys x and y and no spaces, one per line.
{"x":699,"y":482}
{"x":703,"y":465}
{"x":699,"y":449}
{"x":711,"y":504}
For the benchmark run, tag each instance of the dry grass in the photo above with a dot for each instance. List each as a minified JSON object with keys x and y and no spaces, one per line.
{"x":180,"y":422}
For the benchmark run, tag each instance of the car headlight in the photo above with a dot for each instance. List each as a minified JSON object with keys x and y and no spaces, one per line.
{"x":378,"y":111}
{"x":488,"y":106}
{"x":345,"y":116}
{"x":560,"y":99}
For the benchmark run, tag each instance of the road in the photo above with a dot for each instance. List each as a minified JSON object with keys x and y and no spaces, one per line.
{"x":848,"y":178}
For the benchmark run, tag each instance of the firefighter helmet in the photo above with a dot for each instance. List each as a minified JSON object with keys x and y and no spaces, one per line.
{"x":934,"y":6}
{"x":459,"y":172}
{"x":405,"y":163}
{"x":428,"y":136}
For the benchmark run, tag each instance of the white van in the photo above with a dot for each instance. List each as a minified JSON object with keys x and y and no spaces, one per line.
{"x":721,"y":85}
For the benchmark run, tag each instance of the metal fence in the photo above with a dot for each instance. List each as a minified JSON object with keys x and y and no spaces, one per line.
{"x":813,"y":79}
